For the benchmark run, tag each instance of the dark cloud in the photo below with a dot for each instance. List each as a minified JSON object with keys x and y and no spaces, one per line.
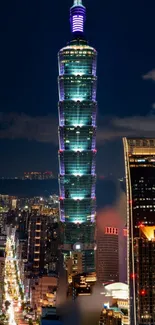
{"x":149,"y":75}
{"x":44,"y":128}
{"x":153,"y":106}
{"x":39,"y":128}
{"x":134,"y":126}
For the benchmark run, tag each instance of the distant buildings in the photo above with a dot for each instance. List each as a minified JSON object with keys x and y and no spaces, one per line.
{"x":38,"y":175}
{"x":139,"y":156}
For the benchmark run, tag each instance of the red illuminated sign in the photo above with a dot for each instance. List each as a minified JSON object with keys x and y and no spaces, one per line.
{"x":111,"y":231}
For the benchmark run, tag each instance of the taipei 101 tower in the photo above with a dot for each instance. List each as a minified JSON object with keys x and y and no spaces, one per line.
{"x":77,"y":146}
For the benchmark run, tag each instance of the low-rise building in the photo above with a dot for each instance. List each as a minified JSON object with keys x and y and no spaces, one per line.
{"x":50,"y":316}
{"x":42,"y":292}
{"x":114,"y":316}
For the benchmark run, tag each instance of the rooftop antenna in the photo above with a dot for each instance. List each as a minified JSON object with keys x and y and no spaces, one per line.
{"x":77,"y":17}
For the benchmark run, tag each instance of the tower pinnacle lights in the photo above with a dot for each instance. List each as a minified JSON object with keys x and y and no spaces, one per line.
{"x":77,"y":144}
{"x":77,"y":17}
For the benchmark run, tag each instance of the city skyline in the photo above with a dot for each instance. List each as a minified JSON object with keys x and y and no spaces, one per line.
{"x":28,"y":120}
{"x":84,"y":253}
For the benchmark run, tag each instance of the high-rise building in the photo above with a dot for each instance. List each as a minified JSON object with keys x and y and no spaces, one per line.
{"x":77,"y":143}
{"x":37,"y":242}
{"x":52,"y":248}
{"x":107,"y":257}
{"x":123,"y":257}
{"x":43,"y":242}
{"x":140,"y":181}
{"x":144,"y":252}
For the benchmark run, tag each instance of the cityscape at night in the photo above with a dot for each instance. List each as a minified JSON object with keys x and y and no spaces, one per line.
{"x":77,"y":168}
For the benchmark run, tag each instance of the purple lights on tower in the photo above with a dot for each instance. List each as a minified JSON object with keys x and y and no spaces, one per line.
{"x":77,"y":17}
{"x":77,"y":23}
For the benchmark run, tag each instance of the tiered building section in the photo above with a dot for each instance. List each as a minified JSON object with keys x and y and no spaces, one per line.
{"x":77,"y":144}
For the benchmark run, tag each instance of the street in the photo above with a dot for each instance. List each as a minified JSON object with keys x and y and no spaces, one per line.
{"x":12,"y":286}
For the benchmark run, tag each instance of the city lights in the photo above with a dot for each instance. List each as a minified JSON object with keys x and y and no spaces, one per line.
{"x":86,"y":254}
{"x":12,"y":284}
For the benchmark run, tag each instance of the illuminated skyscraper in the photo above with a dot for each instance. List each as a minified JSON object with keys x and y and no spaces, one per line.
{"x":77,"y":144}
{"x":140,"y":181}
{"x":144,"y":252}
{"x":107,"y":257}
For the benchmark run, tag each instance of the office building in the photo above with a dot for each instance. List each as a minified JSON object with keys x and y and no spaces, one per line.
{"x":140,"y":182}
{"x":23,"y":221}
{"x":144,"y":252}
{"x":107,"y":255}
{"x":37,"y":241}
{"x":43,"y":242}
{"x":77,"y":143}
{"x":123,"y":257}
{"x":52,"y":247}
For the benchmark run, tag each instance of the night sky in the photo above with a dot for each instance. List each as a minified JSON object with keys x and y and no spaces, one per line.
{"x":31,"y":33}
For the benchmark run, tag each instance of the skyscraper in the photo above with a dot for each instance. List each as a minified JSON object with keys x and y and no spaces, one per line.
{"x":144,"y":251}
{"x":140,"y":181}
{"x":37,"y":242}
{"x":77,"y":144}
{"x":107,"y":255}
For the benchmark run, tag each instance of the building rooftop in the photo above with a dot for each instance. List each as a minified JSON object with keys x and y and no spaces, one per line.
{"x":116,"y":290}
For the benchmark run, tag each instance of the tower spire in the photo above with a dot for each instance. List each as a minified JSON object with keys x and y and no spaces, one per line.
{"x":77,"y":3}
{"x":77,"y":17}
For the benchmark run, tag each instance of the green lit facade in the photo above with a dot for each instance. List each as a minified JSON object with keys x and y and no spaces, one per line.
{"x":77,"y":140}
